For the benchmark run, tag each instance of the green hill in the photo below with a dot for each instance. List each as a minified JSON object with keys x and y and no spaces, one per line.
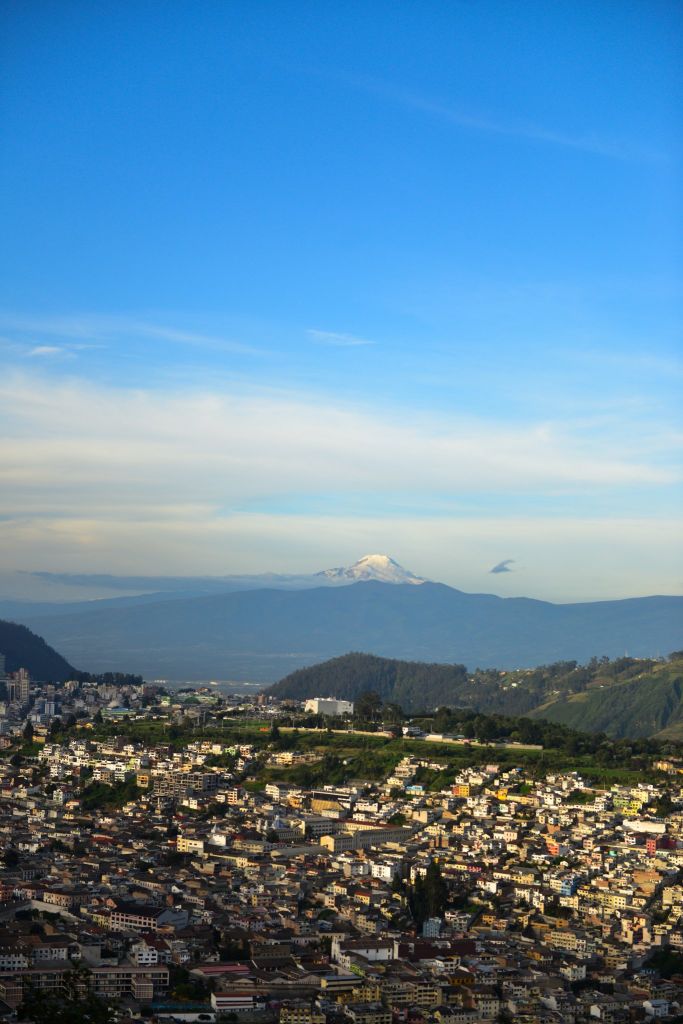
{"x":625,"y":697}
{"x":24,"y":649}
{"x":647,"y":705}
{"x":412,"y":684}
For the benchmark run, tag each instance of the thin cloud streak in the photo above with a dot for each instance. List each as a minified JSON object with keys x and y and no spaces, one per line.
{"x":192,"y":338}
{"x":335,"y":338}
{"x":514,"y":129}
{"x":49,"y":350}
{"x":109,"y":328}
{"x":630,"y":362}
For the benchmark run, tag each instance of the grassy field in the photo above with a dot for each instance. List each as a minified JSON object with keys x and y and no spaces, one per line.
{"x":353,"y":755}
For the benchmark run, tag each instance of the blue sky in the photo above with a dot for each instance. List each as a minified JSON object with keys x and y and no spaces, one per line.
{"x":283,"y":283}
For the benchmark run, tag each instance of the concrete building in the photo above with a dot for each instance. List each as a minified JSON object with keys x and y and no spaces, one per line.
{"x":328,"y":706}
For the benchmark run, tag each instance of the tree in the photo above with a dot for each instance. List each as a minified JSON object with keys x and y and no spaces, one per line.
{"x":172,"y":858}
{"x":428,"y":895}
{"x":485,"y":729}
{"x":367,"y":706}
{"x":392,"y":714}
{"x":184,"y":987}
{"x":28,"y":732}
{"x":77,"y":1004}
{"x":436,"y":890}
{"x":442,"y":720}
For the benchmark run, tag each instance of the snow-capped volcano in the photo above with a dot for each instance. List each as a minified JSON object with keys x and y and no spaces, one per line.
{"x":371,"y":567}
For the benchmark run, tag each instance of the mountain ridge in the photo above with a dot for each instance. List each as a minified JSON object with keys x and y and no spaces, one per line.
{"x":59,"y":590}
{"x":262,"y":635}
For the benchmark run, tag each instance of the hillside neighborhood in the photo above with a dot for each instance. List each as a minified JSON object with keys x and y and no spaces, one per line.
{"x":188,"y":875}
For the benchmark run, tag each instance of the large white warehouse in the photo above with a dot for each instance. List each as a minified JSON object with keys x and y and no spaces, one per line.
{"x":329,"y":706}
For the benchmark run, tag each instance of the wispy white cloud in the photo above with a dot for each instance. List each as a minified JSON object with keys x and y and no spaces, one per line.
{"x":335,"y":338}
{"x":48,"y":350}
{"x":147,"y":330}
{"x":588,"y":142}
{"x":89,"y":471}
{"x":633,"y":362}
{"x":226,"y":448}
{"x":107,"y":328}
{"x":25,"y":349}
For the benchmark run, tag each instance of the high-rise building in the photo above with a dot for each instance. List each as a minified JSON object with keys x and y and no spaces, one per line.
{"x":19,"y":686}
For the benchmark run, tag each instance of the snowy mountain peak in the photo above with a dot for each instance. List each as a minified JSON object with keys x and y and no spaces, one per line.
{"x":371,"y":567}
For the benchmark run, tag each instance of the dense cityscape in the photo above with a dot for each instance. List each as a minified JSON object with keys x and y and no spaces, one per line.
{"x":196,"y":856}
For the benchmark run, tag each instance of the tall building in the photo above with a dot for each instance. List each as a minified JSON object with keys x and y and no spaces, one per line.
{"x":19,"y":686}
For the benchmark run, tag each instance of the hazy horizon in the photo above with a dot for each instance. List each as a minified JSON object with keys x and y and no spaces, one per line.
{"x":64,"y":587}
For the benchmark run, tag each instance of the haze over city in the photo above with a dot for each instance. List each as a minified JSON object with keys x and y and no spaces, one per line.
{"x":286,"y":284}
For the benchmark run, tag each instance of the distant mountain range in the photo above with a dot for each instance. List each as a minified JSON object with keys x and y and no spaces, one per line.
{"x":626,"y":697}
{"x":261,"y":628}
{"x":48,"y":592}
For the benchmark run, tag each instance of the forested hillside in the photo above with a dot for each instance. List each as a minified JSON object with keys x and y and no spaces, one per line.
{"x":24,"y":649}
{"x":403,"y":682}
{"x":623,"y":697}
{"x":646,"y":704}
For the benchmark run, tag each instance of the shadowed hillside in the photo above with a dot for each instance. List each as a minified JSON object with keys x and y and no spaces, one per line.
{"x":407,"y":683}
{"x":23,"y":649}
